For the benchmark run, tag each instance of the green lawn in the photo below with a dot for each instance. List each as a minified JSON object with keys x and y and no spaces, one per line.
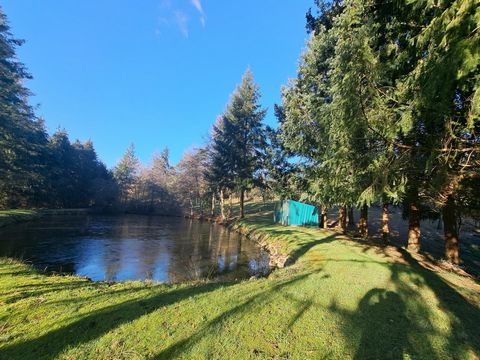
{"x":336,"y":299}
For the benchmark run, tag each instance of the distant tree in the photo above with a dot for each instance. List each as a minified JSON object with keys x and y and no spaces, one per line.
{"x":191,"y":183}
{"x":125,"y":172}
{"x":64,"y":179}
{"x":76,"y":176}
{"x":161,"y":169}
{"x":219,"y":173}
{"x":244,"y":136}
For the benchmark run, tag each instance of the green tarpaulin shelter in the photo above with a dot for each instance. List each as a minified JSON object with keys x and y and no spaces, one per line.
{"x":289,"y":212}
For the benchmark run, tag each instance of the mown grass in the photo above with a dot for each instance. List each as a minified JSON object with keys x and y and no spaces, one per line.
{"x":336,"y":299}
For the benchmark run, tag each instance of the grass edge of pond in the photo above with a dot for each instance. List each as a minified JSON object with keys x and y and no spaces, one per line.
{"x":76,"y":318}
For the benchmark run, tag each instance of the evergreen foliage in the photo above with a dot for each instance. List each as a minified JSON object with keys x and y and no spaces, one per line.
{"x":385,"y":108}
{"x":238,"y":141}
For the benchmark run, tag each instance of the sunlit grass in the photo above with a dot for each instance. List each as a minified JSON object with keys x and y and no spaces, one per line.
{"x":335,"y":299}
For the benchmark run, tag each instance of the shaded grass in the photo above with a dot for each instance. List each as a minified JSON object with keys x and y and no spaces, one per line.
{"x":336,"y":299}
{"x":8,"y":217}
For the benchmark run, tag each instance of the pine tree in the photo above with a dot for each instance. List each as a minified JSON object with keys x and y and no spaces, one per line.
{"x":280,"y":171}
{"x":443,"y":92}
{"x":125,"y":172}
{"x":364,"y":127}
{"x":219,"y":173}
{"x":23,"y":138}
{"x":243,"y":135}
{"x":310,"y":123}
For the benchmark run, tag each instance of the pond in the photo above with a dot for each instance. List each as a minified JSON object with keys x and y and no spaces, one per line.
{"x":131,"y":247}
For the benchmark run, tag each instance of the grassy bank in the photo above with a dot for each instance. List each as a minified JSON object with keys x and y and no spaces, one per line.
{"x":8,"y":217}
{"x":336,"y":298}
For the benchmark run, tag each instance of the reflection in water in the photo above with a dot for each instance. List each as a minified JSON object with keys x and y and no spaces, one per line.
{"x":118,"y":248}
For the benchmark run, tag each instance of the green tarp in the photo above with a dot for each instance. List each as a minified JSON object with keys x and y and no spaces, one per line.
{"x":291,"y":212}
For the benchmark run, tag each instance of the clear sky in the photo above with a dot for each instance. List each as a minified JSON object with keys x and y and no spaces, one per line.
{"x":153,"y":72}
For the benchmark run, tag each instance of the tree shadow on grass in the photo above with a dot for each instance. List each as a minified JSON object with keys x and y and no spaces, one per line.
{"x":34,"y":290}
{"x":98,"y":323}
{"x":398,"y":322}
{"x":174,"y":350}
{"x":386,"y":330}
{"x":464,"y":316}
{"x":307,"y":246}
{"x":303,"y":307}
{"x":384,"y":326}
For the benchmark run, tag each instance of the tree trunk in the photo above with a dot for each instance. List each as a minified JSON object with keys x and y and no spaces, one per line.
{"x":324,"y":217}
{"x":222,"y":205}
{"x":200,"y":203}
{"x":451,"y":232}
{"x":212,"y":209}
{"x":385,"y":225}
{"x":363,"y":222}
{"x":414,"y":224}
{"x":342,"y":218}
{"x":242,"y":200}
{"x":230,"y":205}
{"x":191,"y":207}
{"x":321,"y":219}
{"x":351,"y":221}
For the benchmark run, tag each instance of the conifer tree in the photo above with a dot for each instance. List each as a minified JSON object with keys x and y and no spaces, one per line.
{"x":243,"y":134}
{"x":219,"y":171}
{"x":281,"y":173}
{"x":443,"y":93}
{"x":23,"y":138}
{"x":125,"y":172}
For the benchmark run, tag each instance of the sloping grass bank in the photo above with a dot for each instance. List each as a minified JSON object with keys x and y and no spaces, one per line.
{"x":8,"y":217}
{"x":335,"y":299}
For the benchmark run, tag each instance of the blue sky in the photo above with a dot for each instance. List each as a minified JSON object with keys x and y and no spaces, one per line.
{"x":153,"y":72}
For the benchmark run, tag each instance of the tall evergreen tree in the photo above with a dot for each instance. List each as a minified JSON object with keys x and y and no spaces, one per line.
{"x":281,"y":173}
{"x":219,"y":172}
{"x":22,"y":137}
{"x":307,"y":102}
{"x":125,"y":172}
{"x":244,"y":136}
{"x":443,"y":93}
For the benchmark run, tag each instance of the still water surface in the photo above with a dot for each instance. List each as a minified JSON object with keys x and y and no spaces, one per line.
{"x":130,"y":247}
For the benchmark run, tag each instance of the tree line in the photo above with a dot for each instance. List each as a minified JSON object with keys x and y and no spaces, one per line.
{"x":384,"y":111}
{"x":38,"y":170}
